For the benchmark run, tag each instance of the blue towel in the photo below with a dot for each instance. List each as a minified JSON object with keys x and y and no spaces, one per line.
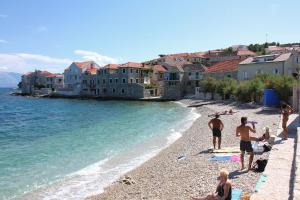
{"x":220,"y":158}
{"x":236,"y":194}
{"x":260,"y":181}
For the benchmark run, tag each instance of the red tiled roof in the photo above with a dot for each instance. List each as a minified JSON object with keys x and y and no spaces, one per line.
{"x":224,"y":66}
{"x":132,"y":65}
{"x":45,"y":73}
{"x":53,"y":75}
{"x":112,"y":66}
{"x":86,"y":64}
{"x":245,"y":53}
{"x":28,"y":74}
{"x":92,"y":70}
{"x":282,"y":57}
{"x":159,"y":68}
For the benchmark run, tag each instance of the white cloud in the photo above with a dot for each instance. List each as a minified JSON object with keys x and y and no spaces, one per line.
{"x":24,"y":62}
{"x":3,"y":16}
{"x":3,"y":41}
{"x":41,"y":29}
{"x":98,"y":58}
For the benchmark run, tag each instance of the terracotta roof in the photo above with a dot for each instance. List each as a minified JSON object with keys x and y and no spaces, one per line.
{"x":112,"y":66}
{"x":159,"y":68}
{"x":277,"y":58}
{"x":224,"y":66}
{"x":132,"y":65}
{"x":275,"y":48}
{"x":28,"y":74}
{"x":92,"y":70}
{"x":86,"y":64}
{"x":53,"y":75}
{"x":245,"y":53}
{"x":45,"y":73}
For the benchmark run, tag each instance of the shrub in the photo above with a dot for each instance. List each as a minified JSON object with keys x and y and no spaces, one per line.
{"x":208,"y":84}
{"x":226,"y":87}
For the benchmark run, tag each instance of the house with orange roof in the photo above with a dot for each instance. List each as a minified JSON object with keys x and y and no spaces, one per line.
{"x":40,"y":82}
{"x":279,"y":64}
{"x":223,"y":69}
{"x":73,"y":75}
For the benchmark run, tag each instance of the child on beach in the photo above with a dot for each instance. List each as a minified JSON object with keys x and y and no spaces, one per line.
{"x":223,"y":190}
{"x":243,"y":132}
{"x":286,"y":110}
{"x":216,"y":125}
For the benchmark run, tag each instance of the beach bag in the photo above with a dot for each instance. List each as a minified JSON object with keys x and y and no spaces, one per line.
{"x":267,"y":147}
{"x":260,"y":165}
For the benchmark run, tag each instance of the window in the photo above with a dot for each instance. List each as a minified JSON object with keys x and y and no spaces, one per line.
{"x":124,"y":80}
{"x":137,"y":80}
{"x":75,"y":77}
{"x":275,"y":71}
{"x":137,"y":71}
{"x":110,"y":80}
{"x":124,"y":71}
{"x":131,"y":80}
{"x":113,"y":90}
{"x":131,"y":70}
{"x":103,"y":81}
{"x":161,"y":76}
{"x":245,"y":75}
{"x":116,"y":80}
{"x":123,"y":91}
{"x":104,"y":90}
{"x":98,"y":82}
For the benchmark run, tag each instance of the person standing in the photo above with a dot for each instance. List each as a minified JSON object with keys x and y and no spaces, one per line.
{"x":216,"y":125}
{"x":286,"y":110}
{"x":243,"y":132}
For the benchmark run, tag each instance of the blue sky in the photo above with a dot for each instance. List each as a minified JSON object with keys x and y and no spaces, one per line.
{"x":50,"y":34}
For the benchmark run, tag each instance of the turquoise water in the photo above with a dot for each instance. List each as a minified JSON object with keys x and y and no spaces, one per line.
{"x":62,"y":148}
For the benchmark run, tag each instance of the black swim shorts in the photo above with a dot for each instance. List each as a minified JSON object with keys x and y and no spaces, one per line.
{"x":216,"y":132}
{"x":246,"y":146}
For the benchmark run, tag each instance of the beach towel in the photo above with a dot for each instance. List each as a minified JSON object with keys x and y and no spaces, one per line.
{"x":220,"y":158}
{"x":235,"y":158}
{"x":236,"y":194}
{"x":260,"y":181}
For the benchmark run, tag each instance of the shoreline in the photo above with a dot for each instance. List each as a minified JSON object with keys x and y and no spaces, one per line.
{"x":164,"y":177}
{"x":111,"y":169}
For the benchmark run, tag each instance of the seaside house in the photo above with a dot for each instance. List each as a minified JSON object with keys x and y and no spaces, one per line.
{"x":89,"y":81}
{"x":281,"y":64}
{"x":121,"y":81}
{"x":73,"y":75}
{"x":40,"y":82}
{"x":223,"y":69}
{"x":181,"y":78}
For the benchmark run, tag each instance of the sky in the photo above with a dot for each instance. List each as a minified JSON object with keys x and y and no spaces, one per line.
{"x":50,"y":34}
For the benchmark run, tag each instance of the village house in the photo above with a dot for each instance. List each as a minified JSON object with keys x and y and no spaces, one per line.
{"x":181,"y":78}
{"x":280,"y":64}
{"x":224,"y":69}
{"x":121,"y":81}
{"x":73,"y":75}
{"x":42,"y":82}
{"x":88,"y":85}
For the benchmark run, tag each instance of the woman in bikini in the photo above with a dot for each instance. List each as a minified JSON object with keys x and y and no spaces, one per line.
{"x":286,"y":110}
{"x":223,"y":191}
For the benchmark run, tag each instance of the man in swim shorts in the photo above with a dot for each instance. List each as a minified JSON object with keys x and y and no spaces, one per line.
{"x":243,"y":132}
{"x":216,"y":125}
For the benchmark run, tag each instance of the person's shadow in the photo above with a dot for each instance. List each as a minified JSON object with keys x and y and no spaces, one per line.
{"x":235,"y":174}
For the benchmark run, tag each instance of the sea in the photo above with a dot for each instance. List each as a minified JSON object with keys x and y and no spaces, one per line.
{"x":72,"y":148}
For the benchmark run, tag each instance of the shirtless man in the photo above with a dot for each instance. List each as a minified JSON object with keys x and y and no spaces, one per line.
{"x":243,"y":131}
{"x":216,"y":125}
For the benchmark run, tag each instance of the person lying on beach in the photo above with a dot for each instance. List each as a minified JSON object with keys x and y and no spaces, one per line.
{"x":243,"y":132}
{"x":223,"y":190}
{"x":266,"y":135}
{"x":229,"y":112}
{"x":216,"y":125}
{"x":286,"y":110}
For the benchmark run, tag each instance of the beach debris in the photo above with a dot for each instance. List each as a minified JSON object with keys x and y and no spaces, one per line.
{"x":182,"y":157}
{"x":127,"y":180}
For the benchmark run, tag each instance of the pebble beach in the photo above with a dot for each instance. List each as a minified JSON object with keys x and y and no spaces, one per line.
{"x":167,"y":177}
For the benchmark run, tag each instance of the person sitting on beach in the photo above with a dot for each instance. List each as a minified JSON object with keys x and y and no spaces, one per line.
{"x":243,"y":132}
{"x":223,"y":191}
{"x":266,"y":135}
{"x":216,"y":125}
{"x":286,"y":110}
